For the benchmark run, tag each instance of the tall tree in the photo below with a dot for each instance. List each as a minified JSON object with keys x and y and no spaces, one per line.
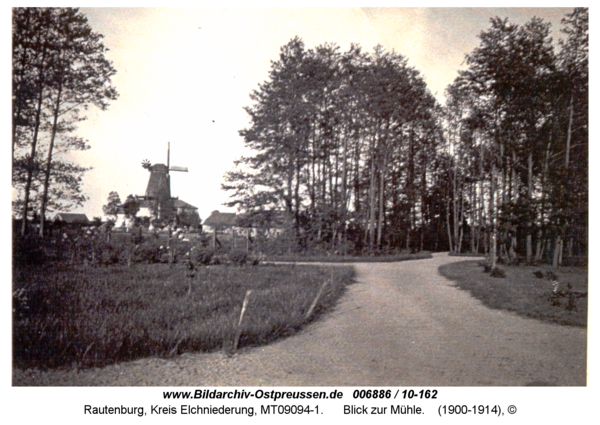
{"x":59,"y":69}
{"x":328,"y":131}
{"x":81,"y":78}
{"x":569,"y":168}
{"x":526,"y":109}
{"x":32,"y":55}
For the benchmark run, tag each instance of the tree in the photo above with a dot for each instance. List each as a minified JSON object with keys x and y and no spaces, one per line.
{"x":81,"y":78}
{"x":65,"y":191}
{"x":32,"y":40}
{"x":131,"y":206}
{"x":59,"y":69}
{"x":111,"y":209}
{"x":516,"y":119}
{"x":330,"y":132}
{"x":568,"y":168}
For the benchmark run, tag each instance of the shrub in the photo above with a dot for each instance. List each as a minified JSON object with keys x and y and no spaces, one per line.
{"x":256,"y":258}
{"x":107,"y":253}
{"x":497,"y":272}
{"x":149,"y":253}
{"x":238,"y":257}
{"x":28,"y":251}
{"x":202,"y":256}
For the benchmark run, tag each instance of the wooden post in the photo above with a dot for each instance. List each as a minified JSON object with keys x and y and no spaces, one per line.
{"x":238,"y":331}
{"x":314,"y":303}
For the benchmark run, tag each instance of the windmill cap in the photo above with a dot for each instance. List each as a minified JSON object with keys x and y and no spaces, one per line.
{"x":159,"y":168}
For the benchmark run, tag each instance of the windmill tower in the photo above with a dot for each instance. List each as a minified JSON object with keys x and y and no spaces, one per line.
{"x":158,"y":192}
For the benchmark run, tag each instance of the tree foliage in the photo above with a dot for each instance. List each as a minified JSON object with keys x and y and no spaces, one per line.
{"x":113,"y":203}
{"x":341,"y":142}
{"x":353,"y":148}
{"x":517,"y":121}
{"x":59,"y":70}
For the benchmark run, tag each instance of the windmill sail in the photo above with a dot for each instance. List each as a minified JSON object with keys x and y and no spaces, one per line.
{"x":177,"y":168}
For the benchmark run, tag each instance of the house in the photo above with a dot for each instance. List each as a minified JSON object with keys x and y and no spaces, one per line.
{"x":186,"y":214}
{"x":175,"y":209}
{"x":70,"y":219}
{"x":269,"y":224}
{"x":218,"y":221}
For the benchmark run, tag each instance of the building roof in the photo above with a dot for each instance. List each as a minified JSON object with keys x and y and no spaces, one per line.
{"x":71,"y":218}
{"x":178,"y":203}
{"x":218,"y":219}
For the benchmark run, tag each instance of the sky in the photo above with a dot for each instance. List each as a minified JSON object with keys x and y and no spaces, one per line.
{"x":184,"y":76}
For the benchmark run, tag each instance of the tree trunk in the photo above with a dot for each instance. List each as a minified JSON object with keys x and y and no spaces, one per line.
{"x":448,"y":223}
{"x":530,"y":199}
{"x":31,"y":167}
{"x":493,"y":216}
{"x":557,"y":257}
{"x":455,"y":205}
{"x":482,"y":224}
{"x":49,"y":161}
{"x":372,"y":200}
{"x":539,"y":248}
{"x":344,"y":190}
{"x":569,"y":132}
{"x":41,"y":83}
{"x":472,"y":218}
{"x":381,"y":203}
{"x":514,"y":197}
{"x":297,"y":197}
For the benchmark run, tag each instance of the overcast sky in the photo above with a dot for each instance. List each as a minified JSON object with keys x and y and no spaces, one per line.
{"x":184,"y":75}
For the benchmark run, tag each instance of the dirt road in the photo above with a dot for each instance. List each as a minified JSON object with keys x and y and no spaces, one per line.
{"x":401,"y":324}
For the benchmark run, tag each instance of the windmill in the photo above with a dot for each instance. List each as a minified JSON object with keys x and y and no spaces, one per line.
{"x":158,"y":192}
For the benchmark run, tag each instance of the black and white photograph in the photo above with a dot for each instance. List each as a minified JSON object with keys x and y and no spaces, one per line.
{"x":387,"y":202}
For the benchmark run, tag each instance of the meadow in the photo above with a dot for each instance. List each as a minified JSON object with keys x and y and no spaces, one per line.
{"x":90,"y":303}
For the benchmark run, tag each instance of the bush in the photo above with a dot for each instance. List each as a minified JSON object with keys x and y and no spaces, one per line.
{"x":238,"y":257}
{"x":497,"y":272}
{"x":148,"y":253}
{"x":28,"y":251}
{"x":107,"y":253}
{"x":202,"y":256}
{"x":256,"y":258}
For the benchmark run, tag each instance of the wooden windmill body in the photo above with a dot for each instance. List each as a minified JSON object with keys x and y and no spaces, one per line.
{"x":158,"y":192}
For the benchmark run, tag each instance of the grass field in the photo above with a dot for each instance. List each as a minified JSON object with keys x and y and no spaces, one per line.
{"x":524,"y":293}
{"x":76,"y":316}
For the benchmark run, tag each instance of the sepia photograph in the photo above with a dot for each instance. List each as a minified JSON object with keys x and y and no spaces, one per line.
{"x":337,"y":197}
